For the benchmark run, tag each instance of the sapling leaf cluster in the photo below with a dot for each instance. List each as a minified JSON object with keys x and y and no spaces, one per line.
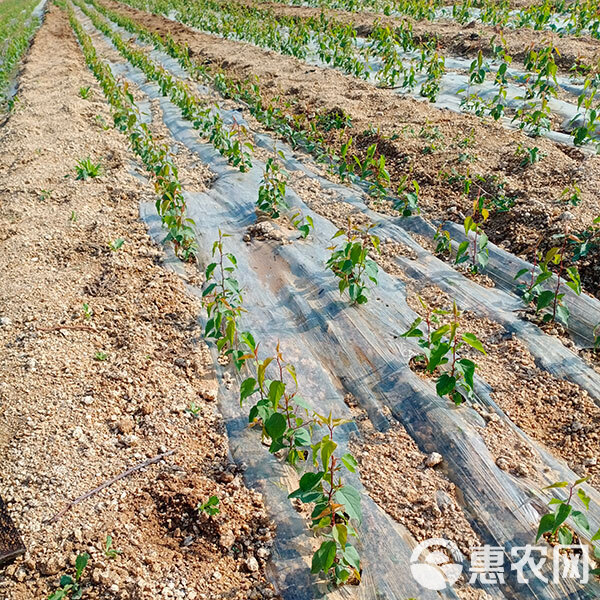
{"x":441,"y":344}
{"x":475,"y":247}
{"x":303,"y":224}
{"x":408,"y":200}
{"x":86,"y":169}
{"x":210,"y":507}
{"x":555,"y":526}
{"x":109,"y":550}
{"x":223,"y":301}
{"x":293,"y":430}
{"x":350,"y":262}
{"x":70,"y":585}
{"x":537,"y":288}
{"x":271,"y":192}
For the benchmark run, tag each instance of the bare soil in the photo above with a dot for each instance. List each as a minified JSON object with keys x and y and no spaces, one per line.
{"x":556,"y":413}
{"x":69,"y":421}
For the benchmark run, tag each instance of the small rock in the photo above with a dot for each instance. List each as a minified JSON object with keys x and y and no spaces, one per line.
{"x":252,"y":564}
{"x":77,"y":433}
{"x":443,"y":500}
{"x":263,"y":553}
{"x":88,"y":400}
{"x":216,"y":576}
{"x":226,"y":477}
{"x":503,"y":463}
{"x":125,"y":426}
{"x":521,"y":470}
{"x":51,"y":567}
{"x":5,"y":321}
{"x":433,"y":459}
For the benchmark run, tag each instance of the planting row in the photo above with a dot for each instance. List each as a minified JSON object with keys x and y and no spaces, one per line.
{"x":170,"y":203}
{"x":550,"y":302}
{"x":350,"y":262}
{"x":534,"y":99}
{"x":565,"y":18}
{"x":18,"y":22}
{"x":348,"y":162}
{"x":288,"y":422}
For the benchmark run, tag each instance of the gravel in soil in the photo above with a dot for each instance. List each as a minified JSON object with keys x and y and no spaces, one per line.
{"x":556,"y":413}
{"x":102,"y":357}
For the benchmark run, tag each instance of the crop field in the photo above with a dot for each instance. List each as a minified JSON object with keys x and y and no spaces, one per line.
{"x":300,"y":299}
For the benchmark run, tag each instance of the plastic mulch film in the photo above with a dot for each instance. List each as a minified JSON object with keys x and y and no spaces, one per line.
{"x":336,"y":349}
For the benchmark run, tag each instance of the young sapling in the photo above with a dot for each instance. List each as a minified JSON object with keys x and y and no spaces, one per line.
{"x":440,"y":344}
{"x":350,"y":261}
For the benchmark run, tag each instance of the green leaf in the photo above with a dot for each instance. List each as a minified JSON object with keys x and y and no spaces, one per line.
{"x":558,"y":484}
{"x":327,"y":448}
{"x":565,"y":537}
{"x":302,"y":437}
{"x":584,"y":498}
{"x":340,"y":534}
{"x":323,"y":558}
{"x":561,"y":515}
{"x":563,"y":314}
{"x":276,"y":426}
{"x":276,"y":390}
{"x":468,"y":370}
{"x":208,"y":289}
{"x":546,"y":524}
{"x":349,"y":462}
{"x":210,"y":269}
{"x":580,"y":520}
{"x":472,"y":340}
{"x":247,"y":388}
{"x":306,"y":496}
{"x":80,"y":564}
{"x":351,"y":557}
{"x":437,"y":356}
{"x":309,"y":481}
{"x":350,"y":498}
{"x":545,"y":299}
{"x":66,"y":580}
{"x":445,"y":384}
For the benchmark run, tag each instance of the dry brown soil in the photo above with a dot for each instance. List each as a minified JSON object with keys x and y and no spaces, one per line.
{"x":69,"y":421}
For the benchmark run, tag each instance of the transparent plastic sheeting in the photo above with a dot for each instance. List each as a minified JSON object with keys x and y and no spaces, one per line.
{"x":453,"y":86}
{"x":336,"y":349}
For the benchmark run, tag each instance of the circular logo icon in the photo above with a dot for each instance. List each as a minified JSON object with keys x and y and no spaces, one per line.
{"x":437,"y":572}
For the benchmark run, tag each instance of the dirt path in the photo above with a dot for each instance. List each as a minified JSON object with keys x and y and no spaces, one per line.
{"x":83,"y":402}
